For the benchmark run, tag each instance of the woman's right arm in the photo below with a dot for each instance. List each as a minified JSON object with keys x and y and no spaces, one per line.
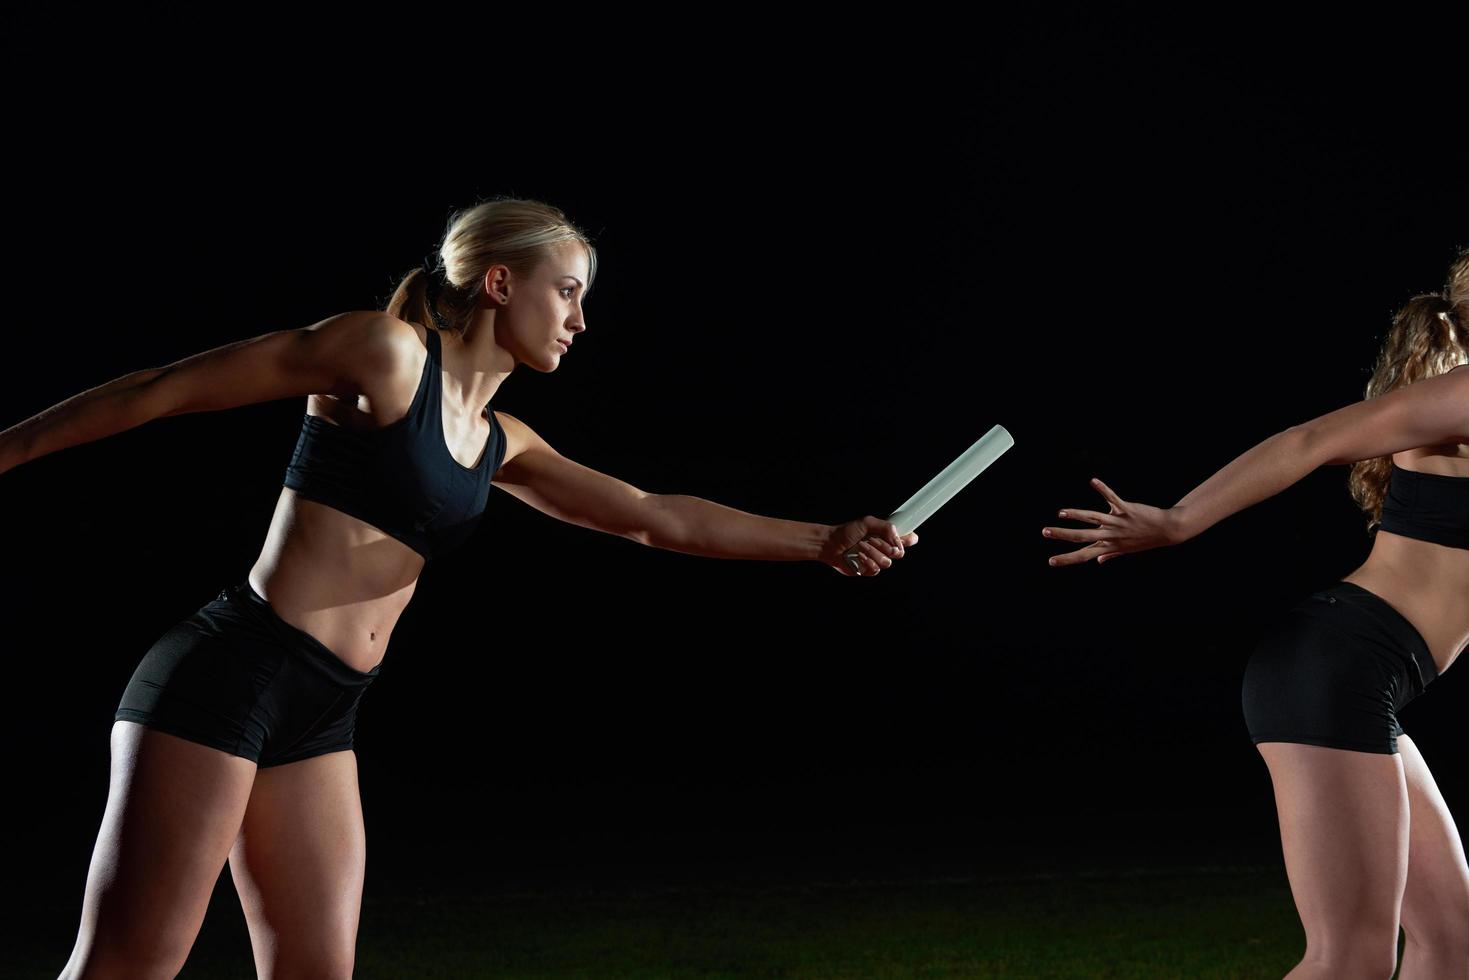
{"x":346,"y":354}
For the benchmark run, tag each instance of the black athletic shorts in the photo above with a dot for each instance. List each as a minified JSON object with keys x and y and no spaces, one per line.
{"x":1335,"y":670}
{"x":237,"y":677}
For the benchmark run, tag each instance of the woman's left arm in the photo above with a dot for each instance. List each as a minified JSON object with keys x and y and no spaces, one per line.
{"x":568,"y":491}
{"x":1430,"y":412}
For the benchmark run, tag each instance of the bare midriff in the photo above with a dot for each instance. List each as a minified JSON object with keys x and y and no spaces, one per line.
{"x":1428,"y":583}
{"x":335,"y":577}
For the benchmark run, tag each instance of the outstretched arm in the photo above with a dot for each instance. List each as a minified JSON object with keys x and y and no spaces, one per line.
{"x":351,"y":352}
{"x":568,"y":491}
{"x":1431,"y":412}
{"x":97,"y":412}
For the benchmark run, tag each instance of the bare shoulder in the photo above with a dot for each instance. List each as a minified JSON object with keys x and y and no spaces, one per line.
{"x":1461,"y":397}
{"x":401,"y":328}
{"x":399,"y":338}
{"x":371,"y":340}
{"x":387,"y":360}
{"x":400,"y":349}
{"x":1455,"y":388}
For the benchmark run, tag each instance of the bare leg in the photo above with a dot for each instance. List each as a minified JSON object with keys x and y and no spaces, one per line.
{"x":1344,"y":831}
{"x":1436,"y":902}
{"x":299,"y":868}
{"x":173,"y":811}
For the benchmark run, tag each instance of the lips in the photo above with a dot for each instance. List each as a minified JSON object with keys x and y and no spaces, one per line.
{"x":565,"y":345}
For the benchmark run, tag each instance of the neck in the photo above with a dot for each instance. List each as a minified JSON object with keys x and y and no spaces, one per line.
{"x":475,"y":365}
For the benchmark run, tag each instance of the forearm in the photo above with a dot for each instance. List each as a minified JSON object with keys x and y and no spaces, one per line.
{"x":1262,"y":472}
{"x":87,"y":417}
{"x":695,"y":526}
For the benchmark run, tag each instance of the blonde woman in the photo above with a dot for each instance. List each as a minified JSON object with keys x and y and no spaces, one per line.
{"x":1368,"y":841}
{"x":233,"y":740}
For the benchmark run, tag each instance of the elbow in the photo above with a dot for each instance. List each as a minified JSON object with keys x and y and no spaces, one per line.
{"x":154,"y":397}
{"x":1325,"y":445}
{"x":1308,"y":443}
{"x":640,"y":532}
{"x":652,"y":527}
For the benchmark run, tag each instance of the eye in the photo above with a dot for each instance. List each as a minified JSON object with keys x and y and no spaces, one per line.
{"x":568,"y":290}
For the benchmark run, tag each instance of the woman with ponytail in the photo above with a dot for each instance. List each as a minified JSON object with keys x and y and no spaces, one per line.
{"x":1369,"y":843}
{"x":233,"y":740}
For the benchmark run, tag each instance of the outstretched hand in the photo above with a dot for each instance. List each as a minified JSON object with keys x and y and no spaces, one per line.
{"x":1126,"y":528}
{"x":877,"y":544}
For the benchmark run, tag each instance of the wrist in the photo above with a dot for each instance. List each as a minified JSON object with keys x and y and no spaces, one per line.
{"x":14,"y":447}
{"x":814,"y":541}
{"x":1180,"y":524}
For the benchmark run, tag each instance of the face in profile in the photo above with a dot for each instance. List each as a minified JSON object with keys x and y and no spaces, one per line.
{"x":544,"y":315}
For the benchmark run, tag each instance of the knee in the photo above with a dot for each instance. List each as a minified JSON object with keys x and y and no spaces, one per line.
{"x":1368,"y":954}
{"x":113,"y":947}
{"x":1436,"y":950}
{"x":319,"y":965}
{"x":113,"y":962}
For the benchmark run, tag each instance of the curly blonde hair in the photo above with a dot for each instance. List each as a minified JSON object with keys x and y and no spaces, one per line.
{"x":1428,"y":337}
{"x":508,"y":231}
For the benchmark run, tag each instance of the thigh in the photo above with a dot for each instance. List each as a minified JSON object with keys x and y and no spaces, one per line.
{"x":1436,"y":902}
{"x":173,"y":811}
{"x":1344,"y":832}
{"x":299,"y":866}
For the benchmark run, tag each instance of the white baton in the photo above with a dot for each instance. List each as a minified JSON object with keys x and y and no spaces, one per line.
{"x":936,"y":492}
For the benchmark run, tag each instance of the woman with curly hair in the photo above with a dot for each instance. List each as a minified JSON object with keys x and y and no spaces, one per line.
{"x":1369,"y":843}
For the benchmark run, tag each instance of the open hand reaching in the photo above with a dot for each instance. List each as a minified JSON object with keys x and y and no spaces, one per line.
{"x":1125,"y":528}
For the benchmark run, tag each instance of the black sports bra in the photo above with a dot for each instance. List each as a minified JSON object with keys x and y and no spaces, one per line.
{"x":1427,"y":506}
{"x":401,"y":477}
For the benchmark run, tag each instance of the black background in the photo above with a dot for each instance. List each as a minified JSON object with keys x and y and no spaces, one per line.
{"x":821,"y":278}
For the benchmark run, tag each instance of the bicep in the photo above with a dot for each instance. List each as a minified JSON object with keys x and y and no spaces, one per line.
{"x":1431,"y":412}
{"x":562,"y":488}
{"x":342,"y":354}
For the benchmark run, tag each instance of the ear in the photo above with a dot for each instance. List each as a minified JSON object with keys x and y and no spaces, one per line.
{"x":497,"y":283}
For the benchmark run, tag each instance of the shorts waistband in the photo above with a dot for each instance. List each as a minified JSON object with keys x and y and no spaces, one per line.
{"x":1393,"y":621}
{"x":335,"y":667}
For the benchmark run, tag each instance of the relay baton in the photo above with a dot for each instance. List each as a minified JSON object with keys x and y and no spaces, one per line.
{"x":936,"y":492}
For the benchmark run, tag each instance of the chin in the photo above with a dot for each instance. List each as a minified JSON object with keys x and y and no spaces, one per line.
{"x":542,"y":366}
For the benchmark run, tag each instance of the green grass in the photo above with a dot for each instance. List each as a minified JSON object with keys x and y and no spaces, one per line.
{"x":1197,"y":923}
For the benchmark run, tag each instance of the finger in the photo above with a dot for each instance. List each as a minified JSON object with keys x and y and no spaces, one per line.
{"x":1106,"y":491}
{"x":886,"y":547}
{"x":861,"y":554}
{"x":1071,"y":514}
{"x":856,"y":563}
{"x":1081,"y":556}
{"x":910,"y":539}
{"x":895,"y":537}
{"x":1077,"y":533}
{"x":874,"y":554}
